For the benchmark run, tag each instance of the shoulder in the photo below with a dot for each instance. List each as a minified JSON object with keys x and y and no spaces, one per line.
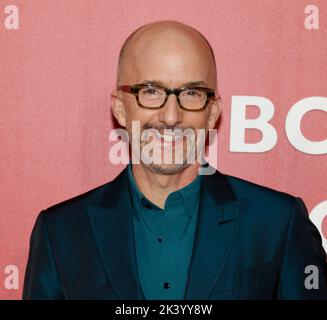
{"x":73,"y":208}
{"x":251,"y":190}
{"x":264,"y":201}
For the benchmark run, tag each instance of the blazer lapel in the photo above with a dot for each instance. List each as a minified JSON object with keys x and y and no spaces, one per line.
{"x":112,"y":228}
{"x":218,"y":221}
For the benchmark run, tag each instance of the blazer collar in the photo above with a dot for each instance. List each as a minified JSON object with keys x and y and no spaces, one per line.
{"x":219,"y":217}
{"x":112,"y":227}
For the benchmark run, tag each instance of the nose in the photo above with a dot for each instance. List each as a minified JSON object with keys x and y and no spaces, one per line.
{"x":171,"y":114}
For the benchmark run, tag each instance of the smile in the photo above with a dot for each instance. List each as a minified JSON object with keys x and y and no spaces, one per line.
{"x":163,"y":137}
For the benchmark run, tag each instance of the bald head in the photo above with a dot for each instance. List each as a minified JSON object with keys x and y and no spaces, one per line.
{"x":164,"y":43}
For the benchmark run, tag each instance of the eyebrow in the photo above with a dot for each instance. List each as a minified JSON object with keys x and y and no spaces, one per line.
{"x":186,"y":84}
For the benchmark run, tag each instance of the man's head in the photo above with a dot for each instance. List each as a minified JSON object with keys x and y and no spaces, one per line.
{"x":173,"y":55}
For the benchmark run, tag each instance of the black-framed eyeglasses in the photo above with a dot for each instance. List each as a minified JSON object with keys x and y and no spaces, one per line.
{"x":151,"y":96}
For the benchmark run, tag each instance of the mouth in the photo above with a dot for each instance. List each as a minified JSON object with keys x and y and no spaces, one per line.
{"x":164,"y":137}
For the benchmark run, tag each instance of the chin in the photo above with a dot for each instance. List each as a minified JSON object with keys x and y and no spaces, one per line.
{"x":166,"y":169}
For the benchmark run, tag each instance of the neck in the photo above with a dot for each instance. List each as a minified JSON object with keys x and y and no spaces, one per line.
{"x":157,"y":187}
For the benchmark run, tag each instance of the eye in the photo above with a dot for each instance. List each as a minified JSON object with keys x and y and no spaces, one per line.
{"x":193,"y":93}
{"x":150,"y":91}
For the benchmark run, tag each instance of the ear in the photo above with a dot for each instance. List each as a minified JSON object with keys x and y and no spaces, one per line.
{"x":118,"y":108}
{"x":214,"y":112}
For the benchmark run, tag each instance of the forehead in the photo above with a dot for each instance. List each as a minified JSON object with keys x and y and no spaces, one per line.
{"x":172,"y":58}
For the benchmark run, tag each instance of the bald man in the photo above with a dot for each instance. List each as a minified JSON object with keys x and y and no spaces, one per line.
{"x":161,"y":229}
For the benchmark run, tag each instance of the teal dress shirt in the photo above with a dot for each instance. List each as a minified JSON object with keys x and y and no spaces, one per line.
{"x":164,"y":239}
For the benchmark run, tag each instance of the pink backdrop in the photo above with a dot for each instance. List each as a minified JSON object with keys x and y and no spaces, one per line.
{"x":58,"y":69}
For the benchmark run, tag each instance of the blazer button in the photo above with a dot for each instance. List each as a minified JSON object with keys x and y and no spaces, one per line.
{"x":160,"y":239}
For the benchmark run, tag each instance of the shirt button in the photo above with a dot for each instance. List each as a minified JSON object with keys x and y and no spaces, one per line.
{"x":160,"y":239}
{"x":166,"y":285}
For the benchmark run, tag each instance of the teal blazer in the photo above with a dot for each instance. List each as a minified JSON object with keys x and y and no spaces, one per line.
{"x":251,"y":242}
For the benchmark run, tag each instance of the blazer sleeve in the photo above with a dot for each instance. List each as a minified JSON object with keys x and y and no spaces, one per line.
{"x":303,"y":248}
{"x":42,"y":280}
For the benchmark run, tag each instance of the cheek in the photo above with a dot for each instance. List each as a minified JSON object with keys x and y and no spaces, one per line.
{"x":197,"y":120}
{"x":135,"y":113}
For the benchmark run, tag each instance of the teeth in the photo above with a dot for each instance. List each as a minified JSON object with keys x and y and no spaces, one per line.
{"x":169,"y":137}
{"x":165,"y":137}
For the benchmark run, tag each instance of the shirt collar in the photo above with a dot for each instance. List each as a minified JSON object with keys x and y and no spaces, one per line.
{"x":190,"y":195}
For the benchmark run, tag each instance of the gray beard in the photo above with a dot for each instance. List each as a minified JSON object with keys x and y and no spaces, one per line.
{"x":169,"y":169}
